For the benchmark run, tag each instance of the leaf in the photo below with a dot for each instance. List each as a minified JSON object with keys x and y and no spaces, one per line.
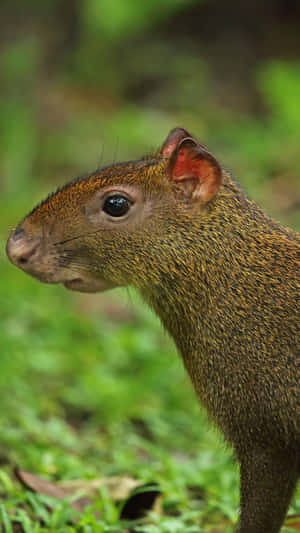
{"x":119,"y":488}
{"x":136,"y":498}
{"x":55,"y":490}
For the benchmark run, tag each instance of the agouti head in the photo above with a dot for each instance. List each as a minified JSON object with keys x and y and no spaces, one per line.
{"x":110,"y":228}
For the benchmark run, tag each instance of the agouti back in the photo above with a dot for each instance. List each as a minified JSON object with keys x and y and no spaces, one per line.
{"x":222,"y":276}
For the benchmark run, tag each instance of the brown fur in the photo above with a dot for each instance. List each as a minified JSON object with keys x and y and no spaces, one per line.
{"x":224,"y":279}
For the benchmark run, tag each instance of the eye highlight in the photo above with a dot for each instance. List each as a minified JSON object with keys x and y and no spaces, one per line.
{"x":116,"y":205}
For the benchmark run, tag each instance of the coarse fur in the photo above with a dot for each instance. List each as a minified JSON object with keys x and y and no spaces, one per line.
{"x":224,"y":279}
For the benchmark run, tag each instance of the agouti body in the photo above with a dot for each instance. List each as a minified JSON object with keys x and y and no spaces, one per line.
{"x":222,"y":276}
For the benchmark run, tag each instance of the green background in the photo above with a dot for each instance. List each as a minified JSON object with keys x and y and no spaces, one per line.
{"x":91,"y":385}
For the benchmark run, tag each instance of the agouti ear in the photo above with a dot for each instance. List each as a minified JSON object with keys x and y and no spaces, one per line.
{"x":195,"y":169}
{"x":175,"y":136}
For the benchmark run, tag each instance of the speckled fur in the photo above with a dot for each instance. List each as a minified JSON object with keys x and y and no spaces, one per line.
{"x":224,"y":279}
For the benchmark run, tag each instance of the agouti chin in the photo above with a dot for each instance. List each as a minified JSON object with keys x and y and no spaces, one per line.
{"x":224,"y":279}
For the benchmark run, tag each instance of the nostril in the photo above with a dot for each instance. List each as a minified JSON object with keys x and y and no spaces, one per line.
{"x":27,"y":253}
{"x":22,"y":252}
{"x":22,"y":260}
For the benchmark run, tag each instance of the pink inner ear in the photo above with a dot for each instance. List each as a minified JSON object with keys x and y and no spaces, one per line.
{"x":185,"y":164}
{"x":191,"y":162}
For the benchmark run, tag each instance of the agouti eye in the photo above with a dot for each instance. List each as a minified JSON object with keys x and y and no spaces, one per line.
{"x":116,"y":205}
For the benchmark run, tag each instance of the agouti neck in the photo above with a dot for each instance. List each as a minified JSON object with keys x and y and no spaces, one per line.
{"x":213,"y":278}
{"x":199,"y":265}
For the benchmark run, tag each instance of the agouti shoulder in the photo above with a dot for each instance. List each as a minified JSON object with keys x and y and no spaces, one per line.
{"x":224,"y":279}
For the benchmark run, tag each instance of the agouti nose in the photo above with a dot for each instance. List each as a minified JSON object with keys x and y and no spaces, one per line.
{"x":21,"y":250}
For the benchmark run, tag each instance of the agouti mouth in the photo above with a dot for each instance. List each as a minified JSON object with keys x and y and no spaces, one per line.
{"x":72,"y":283}
{"x":89,"y":285}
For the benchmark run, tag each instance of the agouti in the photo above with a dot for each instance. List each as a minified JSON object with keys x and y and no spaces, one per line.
{"x":224,"y":279}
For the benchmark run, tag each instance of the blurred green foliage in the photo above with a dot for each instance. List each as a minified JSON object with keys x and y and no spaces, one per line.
{"x":119,"y":20}
{"x":85,"y":393}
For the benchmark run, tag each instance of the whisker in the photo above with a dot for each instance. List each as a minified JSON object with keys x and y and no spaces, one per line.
{"x":69,"y":262}
{"x":101,"y":156}
{"x":77,"y":237}
{"x":116,"y":150}
{"x":67,"y":240}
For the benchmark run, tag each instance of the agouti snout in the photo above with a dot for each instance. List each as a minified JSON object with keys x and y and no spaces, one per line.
{"x":222,"y":276}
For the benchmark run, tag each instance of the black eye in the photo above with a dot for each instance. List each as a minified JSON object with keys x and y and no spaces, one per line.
{"x":116,"y":205}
